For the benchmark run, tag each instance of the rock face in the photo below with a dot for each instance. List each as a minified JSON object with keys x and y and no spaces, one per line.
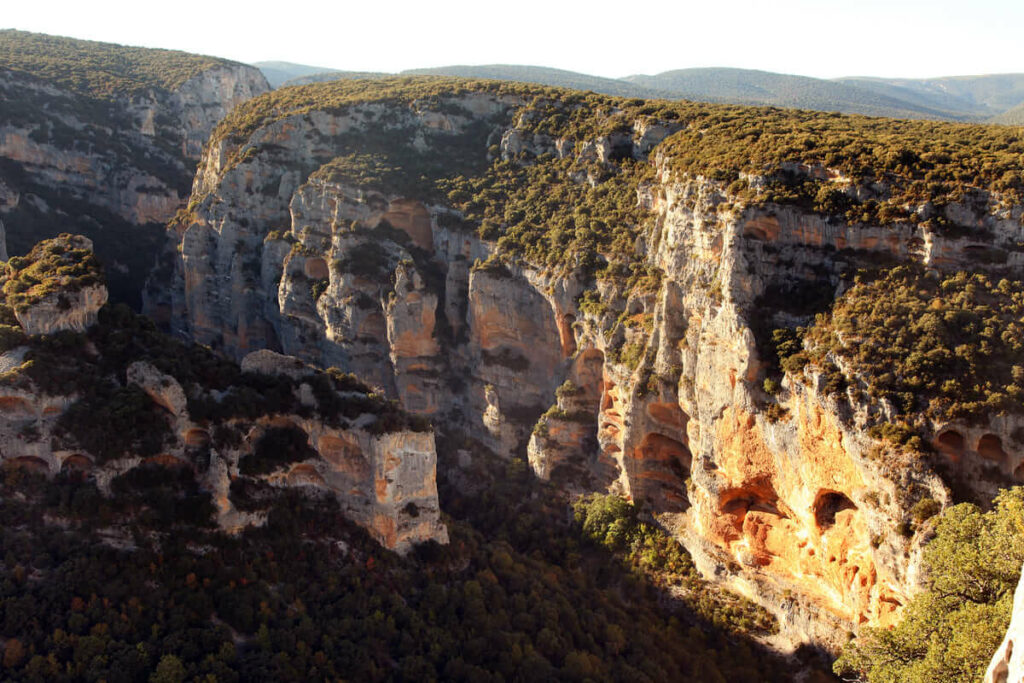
{"x":1008,"y":662}
{"x":72,"y":160}
{"x":313,"y":434}
{"x":74,"y":311}
{"x":384,"y":482}
{"x":781,"y":497}
{"x":3,"y":242}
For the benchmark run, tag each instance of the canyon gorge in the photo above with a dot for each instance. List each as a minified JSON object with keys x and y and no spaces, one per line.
{"x":790,"y":340}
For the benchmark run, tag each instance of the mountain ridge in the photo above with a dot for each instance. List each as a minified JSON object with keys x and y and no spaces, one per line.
{"x":955,"y":98}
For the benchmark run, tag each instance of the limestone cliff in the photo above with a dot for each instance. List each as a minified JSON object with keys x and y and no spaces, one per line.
{"x":76,"y":157}
{"x":105,"y":400}
{"x":290,"y":245}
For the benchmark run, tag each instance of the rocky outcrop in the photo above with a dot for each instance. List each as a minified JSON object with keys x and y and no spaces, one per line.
{"x":3,"y":242}
{"x":57,"y":286}
{"x":266,"y":362}
{"x":310,"y":432}
{"x":1007,"y":664}
{"x":385,"y":482}
{"x":782,"y":496}
{"x":74,"y":311}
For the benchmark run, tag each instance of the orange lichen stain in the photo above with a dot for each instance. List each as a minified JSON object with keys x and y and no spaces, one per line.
{"x":763,"y":228}
{"x":412,"y":218}
{"x":416,"y":340}
{"x":305,"y":474}
{"x":30,"y":463}
{"x":498,"y":328}
{"x":668,"y":414}
{"x":809,"y":233}
{"x":165,"y":460}
{"x":14,"y":404}
{"x":743,"y":454}
{"x":588,"y":374}
{"x":566,"y":432}
{"x":566,"y":337}
{"x":344,"y":454}
{"x":384,"y":528}
{"x":316,"y":268}
{"x":821,"y":447}
{"x":372,"y":326}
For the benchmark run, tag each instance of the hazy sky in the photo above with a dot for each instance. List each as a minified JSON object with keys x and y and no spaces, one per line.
{"x":824,"y":38}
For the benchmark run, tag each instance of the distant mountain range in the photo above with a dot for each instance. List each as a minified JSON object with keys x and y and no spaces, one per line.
{"x":995,"y":98}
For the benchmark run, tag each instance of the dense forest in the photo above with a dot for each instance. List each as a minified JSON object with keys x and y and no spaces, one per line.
{"x":140,"y":585}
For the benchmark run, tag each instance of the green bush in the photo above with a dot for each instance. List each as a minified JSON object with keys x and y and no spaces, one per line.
{"x":950,"y":631}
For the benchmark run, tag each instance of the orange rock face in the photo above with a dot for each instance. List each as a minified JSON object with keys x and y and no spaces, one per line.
{"x":412,"y":218}
{"x":799,"y":525}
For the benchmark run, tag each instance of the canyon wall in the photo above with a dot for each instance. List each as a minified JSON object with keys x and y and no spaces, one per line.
{"x":114,"y":169}
{"x":656,"y":393}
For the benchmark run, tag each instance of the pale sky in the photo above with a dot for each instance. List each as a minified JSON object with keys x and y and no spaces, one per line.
{"x":823,"y":38}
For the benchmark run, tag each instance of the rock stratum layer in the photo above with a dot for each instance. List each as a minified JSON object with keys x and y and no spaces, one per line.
{"x":651,"y":386}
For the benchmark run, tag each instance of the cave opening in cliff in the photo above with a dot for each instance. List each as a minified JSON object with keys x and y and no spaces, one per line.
{"x":31,"y":463}
{"x":197,"y":437}
{"x":76,"y":463}
{"x":827,"y":506}
{"x":316,"y":269}
{"x":951,"y":442}
{"x":76,"y":467}
{"x":664,"y":467}
{"x":990,"y":447}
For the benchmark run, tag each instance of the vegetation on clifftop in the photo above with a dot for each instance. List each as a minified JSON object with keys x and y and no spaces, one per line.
{"x":63,"y":264}
{"x":578,"y":208}
{"x":909,"y":162}
{"x":100,"y":70}
{"x":941,"y":347}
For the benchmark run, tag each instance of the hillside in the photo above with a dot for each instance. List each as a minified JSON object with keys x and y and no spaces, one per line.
{"x":978,"y":96}
{"x":452,"y":378}
{"x":744,"y":86}
{"x":545,"y":76}
{"x":957,"y":98}
{"x":279,"y":72}
{"x":332,"y":76}
{"x":1011,"y":117}
{"x":246,"y":511}
{"x":100,"y":70}
{"x":743,"y":319}
{"x":103,"y":139}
